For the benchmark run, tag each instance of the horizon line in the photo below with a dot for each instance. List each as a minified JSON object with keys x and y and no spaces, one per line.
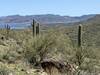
{"x":48,"y":14}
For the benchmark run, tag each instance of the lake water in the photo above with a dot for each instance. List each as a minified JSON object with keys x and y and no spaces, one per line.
{"x":15,"y":25}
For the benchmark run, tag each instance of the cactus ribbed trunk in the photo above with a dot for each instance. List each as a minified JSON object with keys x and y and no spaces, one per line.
{"x":34,"y":28}
{"x":80,"y":36}
{"x":37,"y":29}
{"x":79,"y":53}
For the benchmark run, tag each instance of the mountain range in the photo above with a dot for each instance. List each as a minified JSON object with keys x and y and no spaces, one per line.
{"x":44,"y":19}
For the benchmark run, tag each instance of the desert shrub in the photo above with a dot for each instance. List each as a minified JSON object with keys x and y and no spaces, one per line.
{"x":4,"y":70}
{"x":88,"y":57}
{"x":11,"y":51}
{"x":11,"y":56}
{"x":91,"y":60}
{"x":49,"y":45}
{"x":3,"y":51}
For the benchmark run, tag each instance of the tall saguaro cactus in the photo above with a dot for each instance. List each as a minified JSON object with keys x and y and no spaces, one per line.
{"x":80,"y":35}
{"x":37,"y":29}
{"x":34,"y":27}
{"x":79,"y":53}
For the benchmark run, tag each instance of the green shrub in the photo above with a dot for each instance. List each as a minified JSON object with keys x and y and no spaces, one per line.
{"x":47,"y":45}
{"x":4,"y":70}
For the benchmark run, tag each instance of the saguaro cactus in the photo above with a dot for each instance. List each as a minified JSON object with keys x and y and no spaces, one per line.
{"x":34,"y":27}
{"x":80,"y":35}
{"x":37,"y":29}
{"x":79,"y":53}
{"x":7,"y":30}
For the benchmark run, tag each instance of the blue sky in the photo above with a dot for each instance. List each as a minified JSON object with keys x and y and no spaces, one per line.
{"x":61,"y":7}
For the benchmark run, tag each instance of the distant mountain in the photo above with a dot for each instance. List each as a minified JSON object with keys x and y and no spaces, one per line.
{"x":44,"y":19}
{"x":91,"y":21}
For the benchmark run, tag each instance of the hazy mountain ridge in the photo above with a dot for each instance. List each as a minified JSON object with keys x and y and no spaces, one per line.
{"x":92,"y":21}
{"x":44,"y":19}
